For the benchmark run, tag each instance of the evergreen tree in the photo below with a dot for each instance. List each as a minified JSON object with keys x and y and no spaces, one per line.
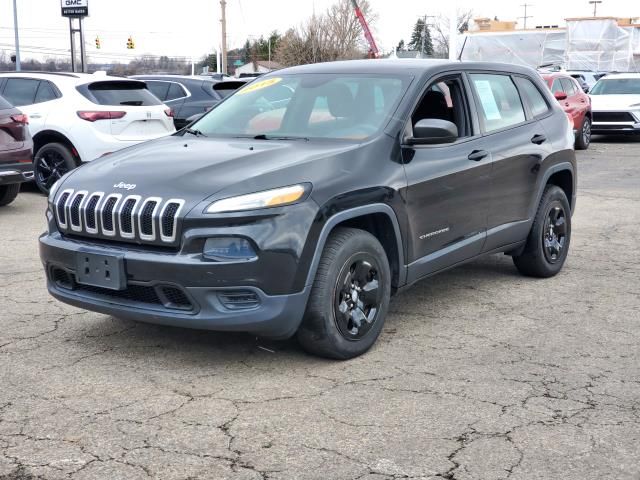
{"x":400,"y":45}
{"x":417,"y":43}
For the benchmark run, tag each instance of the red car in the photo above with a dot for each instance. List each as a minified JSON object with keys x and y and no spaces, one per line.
{"x":575,"y":102}
{"x":16,"y":152}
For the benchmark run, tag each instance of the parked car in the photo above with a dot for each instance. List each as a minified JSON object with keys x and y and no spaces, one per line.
{"x":188,"y":96}
{"x":75,"y":117}
{"x":575,"y":102}
{"x":615,"y":101}
{"x":585,"y":78}
{"x":16,"y":152}
{"x":307,"y":215}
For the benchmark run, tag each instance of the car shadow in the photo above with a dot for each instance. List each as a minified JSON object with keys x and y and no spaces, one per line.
{"x":137,"y":340}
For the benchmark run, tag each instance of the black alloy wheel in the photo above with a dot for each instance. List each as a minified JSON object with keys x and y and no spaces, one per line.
{"x":554,"y":233}
{"x":357,"y":297}
{"x":52,"y":161}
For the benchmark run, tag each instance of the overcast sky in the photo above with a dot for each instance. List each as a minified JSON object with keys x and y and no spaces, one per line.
{"x":192,"y":27}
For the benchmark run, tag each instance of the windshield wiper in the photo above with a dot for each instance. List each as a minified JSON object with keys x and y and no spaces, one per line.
{"x":264,"y":136}
{"x":133,"y":103}
{"x":195,"y":132}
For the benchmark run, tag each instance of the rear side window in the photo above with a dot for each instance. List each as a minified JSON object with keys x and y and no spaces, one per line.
{"x":175,"y":91}
{"x":568,"y":86}
{"x":21,"y":91}
{"x":556,"y":86}
{"x":159,"y":89}
{"x":45,"y":93}
{"x":500,"y":103}
{"x":533,"y":97}
{"x":4,"y":104}
{"x":115,"y":93}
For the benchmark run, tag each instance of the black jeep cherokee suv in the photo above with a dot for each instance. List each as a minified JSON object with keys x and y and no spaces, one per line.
{"x":302,"y":211}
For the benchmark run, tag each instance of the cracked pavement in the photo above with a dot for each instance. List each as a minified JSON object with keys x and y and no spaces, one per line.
{"x":479,"y":374}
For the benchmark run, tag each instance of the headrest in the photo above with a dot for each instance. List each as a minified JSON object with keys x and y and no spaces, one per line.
{"x":340,"y":100}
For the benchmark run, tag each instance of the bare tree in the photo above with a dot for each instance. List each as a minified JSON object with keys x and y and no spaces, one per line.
{"x":441,"y":31}
{"x":334,"y":35}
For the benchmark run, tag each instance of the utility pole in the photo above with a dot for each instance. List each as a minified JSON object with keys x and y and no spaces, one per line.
{"x":595,"y":5}
{"x":15,"y":28}
{"x":223,"y":20}
{"x":526,"y":5}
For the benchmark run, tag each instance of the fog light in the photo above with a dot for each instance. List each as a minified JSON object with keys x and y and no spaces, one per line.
{"x":228,"y":249}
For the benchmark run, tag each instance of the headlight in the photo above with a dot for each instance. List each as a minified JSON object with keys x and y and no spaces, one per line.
{"x":269,"y":198}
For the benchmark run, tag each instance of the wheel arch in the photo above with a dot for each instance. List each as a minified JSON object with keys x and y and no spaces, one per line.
{"x":378,"y":219}
{"x":563,"y":178}
{"x":52,"y":136}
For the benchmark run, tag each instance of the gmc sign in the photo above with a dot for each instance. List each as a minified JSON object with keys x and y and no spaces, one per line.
{"x":75,"y":8}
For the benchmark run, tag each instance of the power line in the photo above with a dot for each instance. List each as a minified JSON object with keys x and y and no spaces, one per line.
{"x":525,"y":17}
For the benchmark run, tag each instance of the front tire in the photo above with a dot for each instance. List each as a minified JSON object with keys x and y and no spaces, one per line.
{"x":548,"y":243}
{"x":350,"y":296}
{"x":8,"y":193}
{"x":51,"y":162}
{"x":583,"y":138}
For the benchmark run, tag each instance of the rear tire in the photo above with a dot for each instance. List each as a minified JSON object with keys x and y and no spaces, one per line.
{"x":349,"y":298}
{"x":583,"y":138}
{"x":51,"y":162}
{"x":8,"y":193}
{"x":548,"y":243}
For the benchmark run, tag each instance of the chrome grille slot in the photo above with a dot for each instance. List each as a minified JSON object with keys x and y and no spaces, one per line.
{"x":126,"y":216}
{"x":61,"y":211}
{"x":147,"y":217}
{"x":108,"y":214}
{"x":168,"y":216}
{"x":90,"y":212}
{"x":75,"y":217}
{"x":130,"y":218}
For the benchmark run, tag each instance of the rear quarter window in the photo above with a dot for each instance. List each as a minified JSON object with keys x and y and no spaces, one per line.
{"x":532,"y":96}
{"x":118,"y":93}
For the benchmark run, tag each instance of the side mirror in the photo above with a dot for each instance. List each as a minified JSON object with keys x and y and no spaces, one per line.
{"x":560,"y":96}
{"x":432,"y":131}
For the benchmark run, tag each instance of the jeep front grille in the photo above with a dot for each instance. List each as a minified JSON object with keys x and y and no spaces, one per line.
{"x":131,"y":218}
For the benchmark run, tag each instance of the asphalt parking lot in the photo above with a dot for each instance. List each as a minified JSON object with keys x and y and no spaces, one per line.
{"x":479,"y":374}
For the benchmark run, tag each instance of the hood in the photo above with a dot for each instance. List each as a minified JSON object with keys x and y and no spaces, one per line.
{"x":614,"y":102}
{"x":194,"y":168}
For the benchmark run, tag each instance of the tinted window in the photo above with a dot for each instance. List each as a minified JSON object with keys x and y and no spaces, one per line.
{"x":21,"y":91}
{"x":4,"y":104}
{"x":311,"y":105}
{"x":45,"y":92}
{"x":556,"y":86}
{"x":500,"y":104}
{"x":534,"y":98}
{"x":568,"y":86}
{"x":120,"y":93}
{"x":175,"y":91}
{"x":159,"y":89}
{"x":614,"y":86}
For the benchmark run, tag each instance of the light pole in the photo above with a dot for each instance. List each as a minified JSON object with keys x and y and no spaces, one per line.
{"x":595,"y":5}
{"x":15,"y":28}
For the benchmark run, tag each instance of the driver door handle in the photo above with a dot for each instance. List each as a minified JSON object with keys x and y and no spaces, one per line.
{"x":538,"y":139}
{"x":477,"y":155}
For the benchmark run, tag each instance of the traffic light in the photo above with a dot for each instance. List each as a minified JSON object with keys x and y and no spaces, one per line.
{"x":98,"y":43}
{"x":130,"y":44}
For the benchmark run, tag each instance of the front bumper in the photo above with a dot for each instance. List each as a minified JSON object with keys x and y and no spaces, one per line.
{"x":155,"y":297}
{"x":15,"y":173}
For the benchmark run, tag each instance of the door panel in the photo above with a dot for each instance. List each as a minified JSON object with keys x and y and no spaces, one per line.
{"x":447,"y":201}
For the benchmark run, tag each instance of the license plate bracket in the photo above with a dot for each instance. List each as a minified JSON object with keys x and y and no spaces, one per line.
{"x":100,"y":270}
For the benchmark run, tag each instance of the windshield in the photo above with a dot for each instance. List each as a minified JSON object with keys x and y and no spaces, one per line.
{"x":616,"y":86}
{"x":307,"y":106}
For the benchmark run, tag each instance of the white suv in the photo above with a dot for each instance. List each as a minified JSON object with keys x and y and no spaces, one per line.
{"x":76,"y":117}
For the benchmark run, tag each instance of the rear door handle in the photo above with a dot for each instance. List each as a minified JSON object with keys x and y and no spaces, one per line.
{"x":538,"y":139}
{"x":35,"y":115}
{"x":477,"y":155}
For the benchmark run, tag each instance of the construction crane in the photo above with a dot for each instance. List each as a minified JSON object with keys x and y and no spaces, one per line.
{"x":373,"y":48}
